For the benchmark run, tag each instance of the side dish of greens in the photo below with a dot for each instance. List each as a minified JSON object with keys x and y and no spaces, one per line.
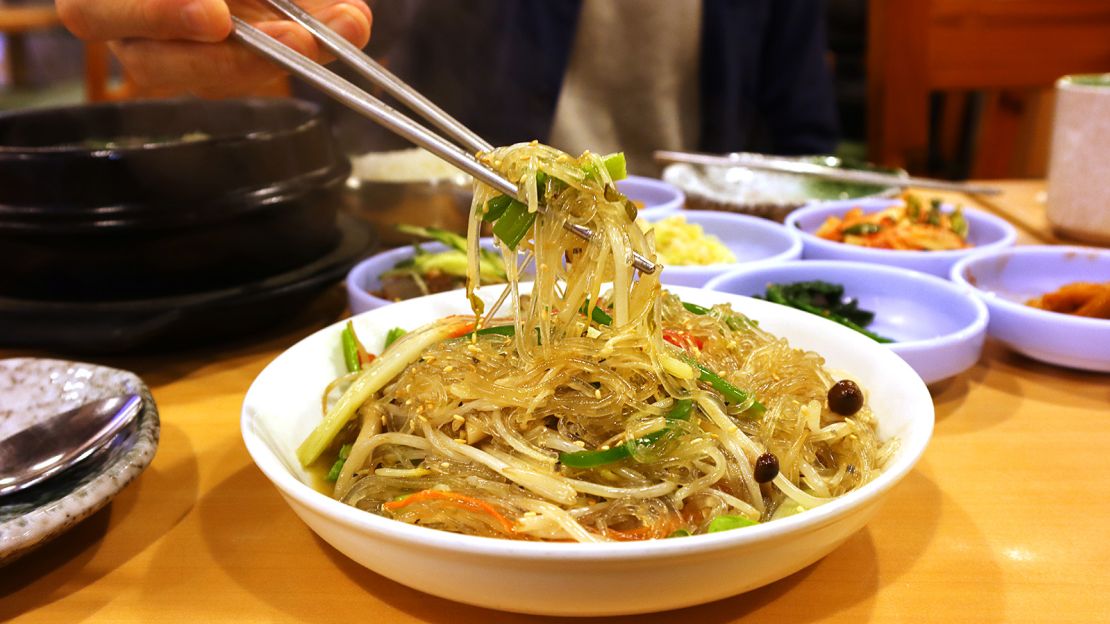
{"x":824,"y":299}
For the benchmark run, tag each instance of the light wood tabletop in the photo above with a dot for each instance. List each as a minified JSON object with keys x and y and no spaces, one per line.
{"x":1004,"y":519}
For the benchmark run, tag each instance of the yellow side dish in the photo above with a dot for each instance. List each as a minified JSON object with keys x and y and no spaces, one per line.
{"x":679,"y":243}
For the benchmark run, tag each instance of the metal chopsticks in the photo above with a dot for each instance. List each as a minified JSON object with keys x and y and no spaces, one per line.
{"x":378,"y":75}
{"x":788,"y":165}
{"x":367,"y":105}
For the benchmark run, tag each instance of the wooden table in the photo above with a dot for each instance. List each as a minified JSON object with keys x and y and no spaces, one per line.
{"x":1004,"y":520}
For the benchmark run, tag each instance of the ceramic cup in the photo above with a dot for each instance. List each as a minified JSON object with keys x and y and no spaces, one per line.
{"x":1079,"y":170}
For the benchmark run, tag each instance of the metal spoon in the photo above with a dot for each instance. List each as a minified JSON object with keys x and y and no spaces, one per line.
{"x":63,"y":440}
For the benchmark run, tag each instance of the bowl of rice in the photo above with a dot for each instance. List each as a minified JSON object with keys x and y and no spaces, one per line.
{"x":410,"y":186}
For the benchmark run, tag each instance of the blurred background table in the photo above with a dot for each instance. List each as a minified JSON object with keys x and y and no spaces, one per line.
{"x":1002,"y":521}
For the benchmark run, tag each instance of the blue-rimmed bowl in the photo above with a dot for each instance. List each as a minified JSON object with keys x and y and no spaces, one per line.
{"x":365,"y":277}
{"x":937,"y":326}
{"x":659,"y":198}
{"x":753,"y":240}
{"x":1005,"y":279}
{"x":985,"y":231}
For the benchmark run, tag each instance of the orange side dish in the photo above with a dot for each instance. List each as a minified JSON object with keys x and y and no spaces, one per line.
{"x":906,"y":226}
{"x":1078,"y":298}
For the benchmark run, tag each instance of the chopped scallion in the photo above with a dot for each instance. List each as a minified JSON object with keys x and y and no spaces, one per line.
{"x":337,"y":467}
{"x":392,"y":335}
{"x":727,"y":522}
{"x":514,"y":224}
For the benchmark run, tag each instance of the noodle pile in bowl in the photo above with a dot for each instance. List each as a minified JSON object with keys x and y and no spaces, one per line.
{"x":587,"y":415}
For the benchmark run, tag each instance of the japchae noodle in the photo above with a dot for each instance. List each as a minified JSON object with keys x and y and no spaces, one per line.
{"x":597,"y":407}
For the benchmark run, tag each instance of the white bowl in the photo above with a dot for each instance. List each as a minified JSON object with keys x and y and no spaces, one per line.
{"x":938,"y":327}
{"x":365,"y":277}
{"x":985,"y":231}
{"x":658,"y":198}
{"x":283,"y":405}
{"x":1005,"y":279}
{"x":753,"y":240}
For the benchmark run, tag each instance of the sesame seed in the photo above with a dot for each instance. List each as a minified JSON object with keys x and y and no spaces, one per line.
{"x":530,"y":514}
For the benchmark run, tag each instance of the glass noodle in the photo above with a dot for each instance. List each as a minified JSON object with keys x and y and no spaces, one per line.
{"x":645,"y":418}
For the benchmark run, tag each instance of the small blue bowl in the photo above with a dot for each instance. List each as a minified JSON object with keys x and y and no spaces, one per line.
{"x":753,"y":240}
{"x":1005,"y":279}
{"x":985,"y":231}
{"x":365,"y":277}
{"x":938,"y":327}
{"x":659,"y":198}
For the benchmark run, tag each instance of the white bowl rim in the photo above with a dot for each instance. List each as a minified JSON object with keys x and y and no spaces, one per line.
{"x":977,"y":326}
{"x":870,"y":204}
{"x":1067,"y":320}
{"x":357,"y":275}
{"x":655,"y":183}
{"x":794,"y":250}
{"x":910,"y":451}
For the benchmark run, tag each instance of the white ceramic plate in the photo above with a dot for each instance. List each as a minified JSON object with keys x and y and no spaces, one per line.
{"x":283,"y":405}
{"x":32,"y":389}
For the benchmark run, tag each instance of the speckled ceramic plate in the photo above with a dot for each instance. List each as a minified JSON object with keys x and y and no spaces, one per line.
{"x":32,"y":389}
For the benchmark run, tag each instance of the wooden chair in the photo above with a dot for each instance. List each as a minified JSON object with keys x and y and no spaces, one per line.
{"x":1010,"y":52}
{"x":16,"y":22}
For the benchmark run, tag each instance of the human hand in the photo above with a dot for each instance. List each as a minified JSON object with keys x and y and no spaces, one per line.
{"x":182,"y":45}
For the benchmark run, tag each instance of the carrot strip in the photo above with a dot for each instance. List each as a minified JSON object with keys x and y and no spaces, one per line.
{"x":461,"y":501}
{"x":683,"y":339}
{"x":461,"y":331}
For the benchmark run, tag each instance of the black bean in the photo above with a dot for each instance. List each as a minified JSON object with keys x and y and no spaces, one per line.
{"x":845,"y":397}
{"x":766,"y":467}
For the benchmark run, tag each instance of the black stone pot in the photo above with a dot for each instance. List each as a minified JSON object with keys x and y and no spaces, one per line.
{"x":145,"y":199}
